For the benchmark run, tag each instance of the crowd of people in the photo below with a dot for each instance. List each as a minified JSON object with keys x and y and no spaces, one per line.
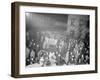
{"x":51,"y":48}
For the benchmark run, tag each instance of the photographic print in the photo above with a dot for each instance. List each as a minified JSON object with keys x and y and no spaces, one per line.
{"x":53,"y":39}
{"x":57,"y":39}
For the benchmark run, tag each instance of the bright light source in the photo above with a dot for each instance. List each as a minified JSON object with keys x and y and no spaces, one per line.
{"x":27,"y":14}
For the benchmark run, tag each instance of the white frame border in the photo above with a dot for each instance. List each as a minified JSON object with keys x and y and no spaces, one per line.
{"x":38,"y":70}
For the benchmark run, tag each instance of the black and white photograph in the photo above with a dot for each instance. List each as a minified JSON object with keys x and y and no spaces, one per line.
{"x":52,"y":39}
{"x":57,"y":39}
